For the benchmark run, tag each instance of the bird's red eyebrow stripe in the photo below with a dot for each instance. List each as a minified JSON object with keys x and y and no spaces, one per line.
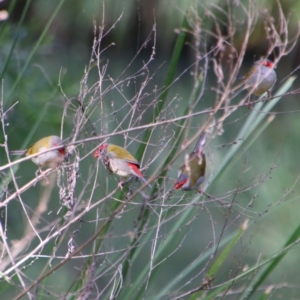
{"x":96,"y":153}
{"x":178,"y":185}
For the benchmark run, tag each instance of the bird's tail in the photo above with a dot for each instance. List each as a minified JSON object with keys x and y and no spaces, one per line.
{"x":145,"y":181}
{"x":17,"y":152}
{"x":136,"y":172}
{"x":201,"y":142}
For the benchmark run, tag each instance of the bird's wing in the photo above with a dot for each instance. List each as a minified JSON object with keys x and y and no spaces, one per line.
{"x":200,"y":143}
{"x":113,"y":153}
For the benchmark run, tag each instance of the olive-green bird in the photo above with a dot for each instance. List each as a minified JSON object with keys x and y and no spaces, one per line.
{"x":51,"y":158}
{"x":192,"y":172}
{"x":119,"y":161}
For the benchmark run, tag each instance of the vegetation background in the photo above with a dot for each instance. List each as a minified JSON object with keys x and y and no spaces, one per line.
{"x":96,"y":69}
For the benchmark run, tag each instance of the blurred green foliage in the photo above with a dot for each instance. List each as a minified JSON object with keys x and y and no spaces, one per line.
{"x":60,"y":60}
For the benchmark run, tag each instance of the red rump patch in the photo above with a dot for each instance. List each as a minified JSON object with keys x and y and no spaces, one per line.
{"x":136,"y":169}
{"x":268,"y":64}
{"x":60,"y":150}
{"x":178,"y":184}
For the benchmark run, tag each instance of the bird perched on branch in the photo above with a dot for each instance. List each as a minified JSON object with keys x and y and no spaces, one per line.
{"x":119,"y":161}
{"x":51,"y":158}
{"x":260,"y":78}
{"x":192,"y":172}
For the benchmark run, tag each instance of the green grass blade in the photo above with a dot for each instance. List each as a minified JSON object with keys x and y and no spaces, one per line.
{"x":170,"y":238}
{"x":169,"y":78}
{"x":170,"y":75}
{"x":249,"y":126}
{"x":260,"y":278}
{"x":187,"y":271}
{"x":224,"y":254}
{"x":222,"y":258}
{"x":15,"y":39}
{"x":31,"y":54}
